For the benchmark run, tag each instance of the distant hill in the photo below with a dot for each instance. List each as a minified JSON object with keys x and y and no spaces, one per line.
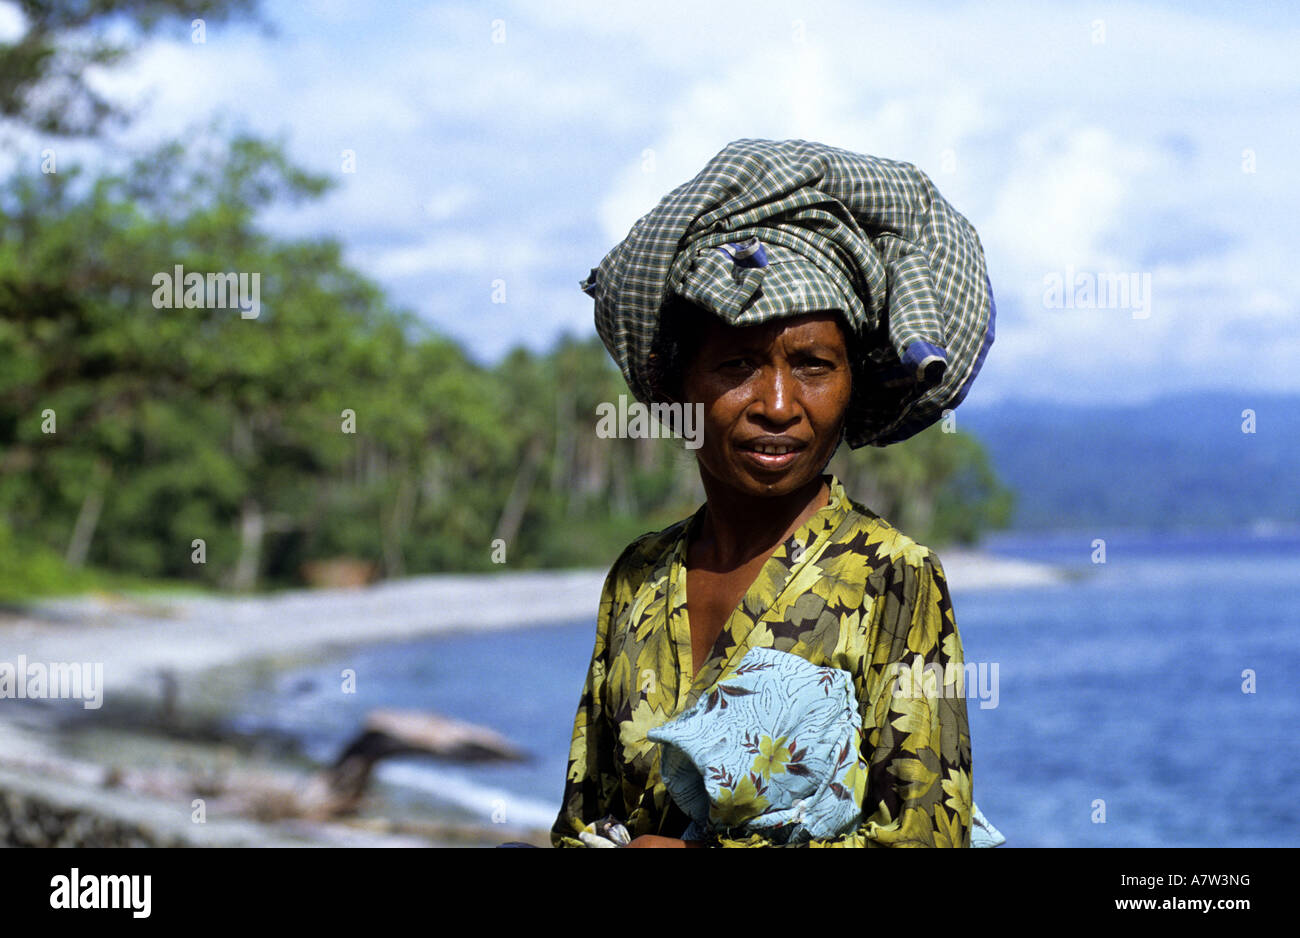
{"x":1176,"y":463}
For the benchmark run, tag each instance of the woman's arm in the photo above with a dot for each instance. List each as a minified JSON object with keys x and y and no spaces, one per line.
{"x":919,"y":783}
{"x":654,"y":840}
{"x":591,"y":780}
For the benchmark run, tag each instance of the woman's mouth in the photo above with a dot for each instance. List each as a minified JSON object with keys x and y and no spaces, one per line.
{"x":771,"y":455}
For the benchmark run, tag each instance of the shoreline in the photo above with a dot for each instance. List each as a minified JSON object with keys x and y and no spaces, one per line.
{"x":138,"y":638}
{"x":173,"y":665}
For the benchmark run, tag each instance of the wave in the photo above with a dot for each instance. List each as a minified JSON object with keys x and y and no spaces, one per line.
{"x":490,"y":804}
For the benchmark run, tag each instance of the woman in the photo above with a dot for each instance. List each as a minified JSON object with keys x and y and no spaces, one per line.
{"x":801,"y":295}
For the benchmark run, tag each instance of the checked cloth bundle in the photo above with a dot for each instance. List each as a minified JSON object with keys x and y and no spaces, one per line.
{"x":771,"y":229}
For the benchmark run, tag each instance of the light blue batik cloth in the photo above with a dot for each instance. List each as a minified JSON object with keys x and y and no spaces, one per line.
{"x":775,"y":749}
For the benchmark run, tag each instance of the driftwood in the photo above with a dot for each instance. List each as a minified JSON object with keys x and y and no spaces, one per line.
{"x":338,"y":790}
{"x":272,"y":795}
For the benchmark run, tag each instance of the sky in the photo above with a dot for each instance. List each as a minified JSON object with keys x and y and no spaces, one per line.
{"x":512,"y":145}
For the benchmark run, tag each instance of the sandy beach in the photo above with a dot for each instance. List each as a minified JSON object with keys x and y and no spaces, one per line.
{"x":171,"y":664}
{"x":137,"y":638}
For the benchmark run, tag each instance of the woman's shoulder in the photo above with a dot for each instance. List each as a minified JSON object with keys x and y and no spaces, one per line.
{"x":882,"y":543}
{"x":648,"y":553}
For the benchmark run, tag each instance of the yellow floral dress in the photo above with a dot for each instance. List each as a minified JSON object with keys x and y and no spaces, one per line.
{"x":846,"y":590}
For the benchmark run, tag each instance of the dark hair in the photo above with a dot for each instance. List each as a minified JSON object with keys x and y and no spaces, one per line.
{"x":677,"y":340}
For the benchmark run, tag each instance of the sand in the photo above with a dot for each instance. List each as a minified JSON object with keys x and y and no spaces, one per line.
{"x":135,"y":639}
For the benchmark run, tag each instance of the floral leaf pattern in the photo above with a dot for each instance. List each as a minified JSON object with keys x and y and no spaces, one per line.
{"x":862,"y":598}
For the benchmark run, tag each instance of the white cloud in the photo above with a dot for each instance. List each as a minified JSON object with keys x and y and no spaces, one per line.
{"x":1063,"y":195}
{"x":479,"y":159}
{"x":12,"y":22}
{"x":449,"y":202}
{"x":475,"y":255}
{"x":451,"y":253}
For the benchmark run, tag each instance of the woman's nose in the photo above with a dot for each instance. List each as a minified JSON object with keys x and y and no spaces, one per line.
{"x":775,"y":397}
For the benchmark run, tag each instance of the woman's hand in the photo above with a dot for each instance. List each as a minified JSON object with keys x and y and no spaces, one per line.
{"x":654,"y":840}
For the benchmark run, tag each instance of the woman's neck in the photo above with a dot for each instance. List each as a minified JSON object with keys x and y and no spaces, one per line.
{"x":738,"y":527}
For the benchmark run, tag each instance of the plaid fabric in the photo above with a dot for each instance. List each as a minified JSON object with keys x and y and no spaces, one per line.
{"x":869,"y":237}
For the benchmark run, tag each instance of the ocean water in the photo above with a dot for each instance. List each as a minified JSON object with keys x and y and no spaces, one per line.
{"x":1121,"y":719}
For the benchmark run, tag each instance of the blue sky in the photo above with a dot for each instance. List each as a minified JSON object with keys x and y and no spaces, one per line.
{"x":519,"y":142}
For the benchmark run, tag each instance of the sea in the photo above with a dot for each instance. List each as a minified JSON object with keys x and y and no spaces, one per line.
{"x":1151,"y":699}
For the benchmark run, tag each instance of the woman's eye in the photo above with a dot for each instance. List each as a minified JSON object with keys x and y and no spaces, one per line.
{"x":815,"y":364}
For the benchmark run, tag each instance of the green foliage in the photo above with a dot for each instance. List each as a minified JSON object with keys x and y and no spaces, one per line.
{"x":28,"y":570}
{"x":42,"y":72}
{"x":331,"y":425}
{"x":937,"y":487}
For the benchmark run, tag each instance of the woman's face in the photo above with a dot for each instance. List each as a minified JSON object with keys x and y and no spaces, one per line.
{"x":775,"y":397}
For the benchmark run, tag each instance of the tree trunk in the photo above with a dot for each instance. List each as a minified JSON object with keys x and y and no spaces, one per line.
{"x":252,"y":527}
{"x":562,"y":476}
{"x":512,"y":516}
{"x":398,"y":523}
{"x":83,"y":532}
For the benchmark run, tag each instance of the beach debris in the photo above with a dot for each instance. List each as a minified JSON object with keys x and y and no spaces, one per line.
{"x":339,"y":789}
{"x":169,"y":692}
{"x":387,"y":732}
{"x":339,"y":573}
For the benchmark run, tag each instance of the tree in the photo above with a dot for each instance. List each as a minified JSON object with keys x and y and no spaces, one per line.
{"x":43,"y":72}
